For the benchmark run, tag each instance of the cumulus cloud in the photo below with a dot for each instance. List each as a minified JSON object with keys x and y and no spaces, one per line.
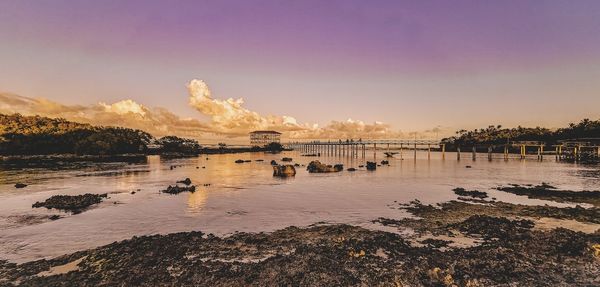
{"x":127,"y":113}
{"x":227,"y":118}
{"x":232,"y":118}
{"x":350,"y":129}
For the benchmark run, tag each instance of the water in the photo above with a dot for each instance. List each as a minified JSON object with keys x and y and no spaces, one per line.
{"x":244,"y":197}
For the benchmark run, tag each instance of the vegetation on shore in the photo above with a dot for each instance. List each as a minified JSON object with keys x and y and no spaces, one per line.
{"x":497,"y":135}
{"x":36,"y":135}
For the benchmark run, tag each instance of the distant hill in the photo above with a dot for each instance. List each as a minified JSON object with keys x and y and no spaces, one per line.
{"x":35,"y":135}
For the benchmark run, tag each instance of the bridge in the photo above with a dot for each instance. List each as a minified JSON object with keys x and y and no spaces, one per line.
{"x":570,"y":150}
{"x":356,"y":148}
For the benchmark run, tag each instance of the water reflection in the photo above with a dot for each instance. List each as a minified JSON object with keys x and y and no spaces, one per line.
{"x":246,"y":196}
{"x":197,"y":200}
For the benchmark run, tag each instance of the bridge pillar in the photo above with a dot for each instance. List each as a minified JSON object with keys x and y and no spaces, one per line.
{"x":428,"y":151}
{"x":490,"y":153}
{"x":415,"y":151}
{"x":458,"y":153}
{"x":401,"y":150}
{"x":506,"y":152}
{"x":474,"y":153}
{"x":443,"y":151}
{"x":374,"y":150}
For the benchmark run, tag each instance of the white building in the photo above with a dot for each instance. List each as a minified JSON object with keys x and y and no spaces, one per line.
{"x":262,"y":138}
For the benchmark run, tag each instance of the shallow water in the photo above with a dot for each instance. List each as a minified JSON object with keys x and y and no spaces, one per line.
{"x":245,"y":197}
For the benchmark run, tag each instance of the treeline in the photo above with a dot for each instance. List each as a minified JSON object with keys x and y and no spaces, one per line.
{"x":35,"y":135}
{"x":496,"y":135}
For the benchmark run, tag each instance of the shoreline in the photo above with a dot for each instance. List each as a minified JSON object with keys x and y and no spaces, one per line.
{"x":465,"y":242}
{"x":52,"y":158}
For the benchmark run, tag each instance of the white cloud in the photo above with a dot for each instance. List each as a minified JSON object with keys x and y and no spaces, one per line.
{"x":227,"y":118}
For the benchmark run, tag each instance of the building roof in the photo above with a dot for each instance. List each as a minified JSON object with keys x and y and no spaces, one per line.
{"x":266,"y":132}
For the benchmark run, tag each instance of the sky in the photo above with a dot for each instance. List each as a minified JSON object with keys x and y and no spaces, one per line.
{"x":319,"y":68}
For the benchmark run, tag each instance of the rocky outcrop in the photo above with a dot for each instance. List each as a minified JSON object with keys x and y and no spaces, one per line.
{"x":186,"y":181}
{"x":284,"y":170}
{"x":317,"y":167}
{"x":471,"y":193}
{"x":371,"y":165}
{"x":178,"y":189}
{"x":73,"y":203}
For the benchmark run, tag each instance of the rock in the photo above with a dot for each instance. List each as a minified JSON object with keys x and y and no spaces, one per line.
{"x":72,"y":203}
{"x":296,"y":164}
{"x":133,"y":192}
{"x":361,"y":166}
{"x":371,"y":165}
{"x":247,"y":160}
{"x":260,"y":160}
{"x":177,"y":189}
{"x":273,"y":162}
{"x":472,"y":193}
{"x":317,"y":167}
{"x":54,"y":217}
{"x":351,"y":169}
{"x":20,"y":185}
{"x":385,"y":162}
{"x":186,"y":181}
{"x":284,"y":170}
{"x":468,"y":166}
{"x":239,"y":161}
{"x":286,"y":159}
{"x":309,"y":154}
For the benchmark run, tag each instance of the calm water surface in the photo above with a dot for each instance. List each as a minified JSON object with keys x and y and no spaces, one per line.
{"x":244,"y":197}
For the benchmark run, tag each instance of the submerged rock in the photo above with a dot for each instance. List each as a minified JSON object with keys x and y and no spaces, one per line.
{"x":239,"y":161}
{"x":284,"y":170}
{"x":178,"y":189}
{"x":286,"y":159}
{"x":548,"y":192}
{"x":351,"y":169}
{"x":20,"y":185}
{"x":317,"y":167}
{"x":73,"y":203}
{"x":186,"y":181}
{"x":472,"y":193}
{"x":371,"y":165}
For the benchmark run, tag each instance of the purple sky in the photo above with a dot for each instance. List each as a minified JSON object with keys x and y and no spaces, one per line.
{"x":412,"y":64}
